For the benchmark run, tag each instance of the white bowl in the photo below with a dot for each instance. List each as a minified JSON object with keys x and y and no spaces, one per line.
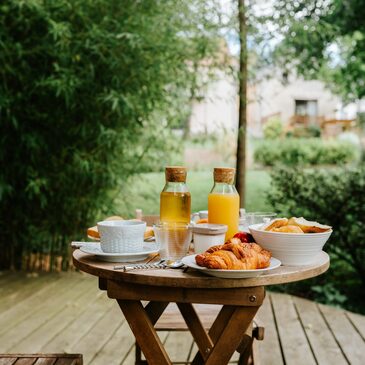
{"x":121,"y":236}
{"x":291,"y":248}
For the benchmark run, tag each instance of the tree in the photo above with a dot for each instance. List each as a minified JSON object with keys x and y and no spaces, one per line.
{"x":88,"y":91}
{"x":323,"y":39}
{"x":242,"y":117}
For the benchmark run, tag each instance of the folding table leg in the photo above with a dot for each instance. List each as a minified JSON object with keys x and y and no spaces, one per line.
{"x":226,"y":333}
{"x":144,"y":332}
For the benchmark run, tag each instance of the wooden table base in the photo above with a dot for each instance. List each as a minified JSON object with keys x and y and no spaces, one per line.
{"x":215,"y":347}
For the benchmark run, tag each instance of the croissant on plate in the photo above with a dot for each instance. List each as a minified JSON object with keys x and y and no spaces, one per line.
{"x":235,"y":255}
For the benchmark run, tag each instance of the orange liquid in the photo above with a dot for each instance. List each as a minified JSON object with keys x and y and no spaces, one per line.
{"x":224,"y":209}
{"x":175,"y":207}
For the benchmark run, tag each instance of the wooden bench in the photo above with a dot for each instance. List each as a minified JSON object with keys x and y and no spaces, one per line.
{"x":172,"y":320}
{"x":41,"y":359}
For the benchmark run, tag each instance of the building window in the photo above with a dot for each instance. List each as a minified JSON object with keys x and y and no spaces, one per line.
{"x":307,"y":109}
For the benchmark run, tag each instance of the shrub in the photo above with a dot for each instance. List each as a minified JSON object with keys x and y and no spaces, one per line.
{"x":273,"y":128}
{"x":335,"y":197}
{"x":304,"y":152}
{"x":87,"y":94}
{"x":305,"y":132}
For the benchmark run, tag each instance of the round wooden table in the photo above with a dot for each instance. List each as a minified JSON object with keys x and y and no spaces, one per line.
{"x":241,"y":299}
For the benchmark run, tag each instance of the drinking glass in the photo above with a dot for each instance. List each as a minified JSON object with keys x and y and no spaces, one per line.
{"x":248,"y":219}
{"x":173,"y":239}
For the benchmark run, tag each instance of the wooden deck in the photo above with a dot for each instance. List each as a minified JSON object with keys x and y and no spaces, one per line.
{"x":57,"y":313}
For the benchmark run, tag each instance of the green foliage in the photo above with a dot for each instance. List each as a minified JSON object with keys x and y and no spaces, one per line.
{"x":361,"y":121}
{"x":273,"y":128}
{"x":335,"y":197}
{"x":88,"y":90}
{"x":324,"y":40}
{"x":311,"y":131}
{"x":304,"y":152}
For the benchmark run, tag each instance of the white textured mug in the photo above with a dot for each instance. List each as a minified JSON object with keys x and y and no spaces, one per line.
{"x":121,"y":236}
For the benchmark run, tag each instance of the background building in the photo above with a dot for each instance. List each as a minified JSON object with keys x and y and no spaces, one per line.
{"x":292,"y":100}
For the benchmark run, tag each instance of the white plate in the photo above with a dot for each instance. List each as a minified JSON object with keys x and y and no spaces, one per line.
{"x":230,"y":274}
{"x":94,"y":249}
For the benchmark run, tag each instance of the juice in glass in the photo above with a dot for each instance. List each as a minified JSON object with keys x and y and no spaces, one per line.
{"x":224,"y":201}
{"x":175,"y":207}
{"x":175,"y":199}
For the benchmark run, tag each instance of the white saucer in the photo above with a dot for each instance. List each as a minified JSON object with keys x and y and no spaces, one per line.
{"x":94,"y":249}
{"x":230,"y":274}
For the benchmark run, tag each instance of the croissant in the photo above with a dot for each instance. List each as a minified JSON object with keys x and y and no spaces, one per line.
{"x":288,"y":229}
{"x":235,"y":255}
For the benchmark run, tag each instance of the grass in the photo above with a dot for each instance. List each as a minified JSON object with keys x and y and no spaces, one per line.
{"x":146,"y":188}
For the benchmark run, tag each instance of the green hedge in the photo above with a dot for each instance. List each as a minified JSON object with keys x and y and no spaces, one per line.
{"x":273,"y":128}
{"x":335,"y":197}
{"x":304,"y":152}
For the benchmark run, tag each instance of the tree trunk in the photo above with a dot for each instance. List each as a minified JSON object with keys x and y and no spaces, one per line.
{"x":242,"y":119}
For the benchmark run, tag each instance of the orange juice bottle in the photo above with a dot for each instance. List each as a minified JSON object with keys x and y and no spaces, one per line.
{"x":175,"y":199}
{"x":224,"y":201}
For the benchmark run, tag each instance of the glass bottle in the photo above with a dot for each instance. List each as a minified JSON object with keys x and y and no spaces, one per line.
{"x":224,"y":201}
{"x":175,"y":199}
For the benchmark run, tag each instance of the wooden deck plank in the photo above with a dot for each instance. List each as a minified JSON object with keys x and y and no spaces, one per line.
{"x":325,"y":348}
{"x":81,"y":325}
{"x":23,"y":291}
{"x":116,"y":348}
{"x":269,"y":348}
{"x":65,"y":361}
{"x":45,"y":361}
{"x":37,"y":316}
{"x":19,"y":312}
{"x":171,"y":318}
{"x":13,"y":286}
{"x":8,"y":361}
{"x":358,"y":322}
{"x":291,"y":334}
{"x":68,"y":311}
{"x":178,"y":345}
{"x":347,"y":337}
{"x":5,"y":274}
{"x":25,"y":361}
{"x":130,"y":355}
{"x":99,"y":335}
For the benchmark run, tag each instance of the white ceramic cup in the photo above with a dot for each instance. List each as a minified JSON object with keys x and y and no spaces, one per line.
{"x":207,"y":235}
{"x":121,"y":236}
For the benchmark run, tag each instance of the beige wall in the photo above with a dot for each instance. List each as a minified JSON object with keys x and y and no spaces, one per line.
{"x":218,"y":111}
{"x":272,"y":97}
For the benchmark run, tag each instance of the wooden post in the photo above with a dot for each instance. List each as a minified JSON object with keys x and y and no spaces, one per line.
{"x":242,"y":118}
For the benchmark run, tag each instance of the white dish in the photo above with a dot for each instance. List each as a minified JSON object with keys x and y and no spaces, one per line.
{"x":94,"y":249}
{"x":230,"y":274}
{"x":291,"y":248}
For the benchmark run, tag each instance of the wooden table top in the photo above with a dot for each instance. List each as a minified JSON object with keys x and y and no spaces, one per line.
{"x":196,"y":279}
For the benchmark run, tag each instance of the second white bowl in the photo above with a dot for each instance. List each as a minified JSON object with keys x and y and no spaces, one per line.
{"x":291,"y":248}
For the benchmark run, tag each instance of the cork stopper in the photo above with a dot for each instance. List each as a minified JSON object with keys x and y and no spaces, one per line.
{"x":224,"y":175}
{"x":175,"y":173}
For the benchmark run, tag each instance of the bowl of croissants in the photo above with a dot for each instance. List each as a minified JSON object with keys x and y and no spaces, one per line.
{"x":294,"y":241}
